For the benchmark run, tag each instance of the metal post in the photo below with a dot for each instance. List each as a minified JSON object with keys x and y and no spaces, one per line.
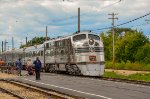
{"x":24,"y":56}
{"x":78,"y":19}
{"x":44,"y":58}
{"x":12,"y":43}
{"x":26,"y":40}
{"x":5,"y":45}
{"x":46,"y":34}
{"x":113,"y":32}
{"x":2,"y":46}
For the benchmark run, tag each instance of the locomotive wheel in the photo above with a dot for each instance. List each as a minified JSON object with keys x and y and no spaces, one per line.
{"x":76,"y":70}
{"x":68,"y":69}
{"x":47,"y":68}
{"x":52,"y":68}
{"x":73,"y":69}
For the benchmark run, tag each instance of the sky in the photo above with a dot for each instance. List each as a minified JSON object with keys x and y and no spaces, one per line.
{"x":29,"y":18}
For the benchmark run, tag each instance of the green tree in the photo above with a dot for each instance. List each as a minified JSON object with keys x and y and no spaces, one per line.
{"x":34,"y":41}
{"x":143,"y":54}
{"x":126,"y":46}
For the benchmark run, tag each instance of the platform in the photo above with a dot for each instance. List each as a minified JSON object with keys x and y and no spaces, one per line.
{"x":89,"y":88}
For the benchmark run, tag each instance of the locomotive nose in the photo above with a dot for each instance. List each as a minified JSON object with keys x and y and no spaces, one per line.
{"x":91,"y":41}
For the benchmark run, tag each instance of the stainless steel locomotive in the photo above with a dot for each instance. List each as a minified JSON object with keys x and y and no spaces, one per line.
{"x":78,"y":54}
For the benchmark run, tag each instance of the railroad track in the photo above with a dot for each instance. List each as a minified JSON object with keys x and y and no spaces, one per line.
{"x":12,"y":93}
{"x":49,"y":94}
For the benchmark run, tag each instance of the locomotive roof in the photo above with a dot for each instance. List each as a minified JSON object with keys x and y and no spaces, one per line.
{"x":66,"y":37}
{"x":35,"y":48}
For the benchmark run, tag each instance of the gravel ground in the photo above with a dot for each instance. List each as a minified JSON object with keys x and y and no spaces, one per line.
{"x":6,"y":96}
{"x":4,"y":75}
{"x":126,"y":72}
{"x":28,"y":93}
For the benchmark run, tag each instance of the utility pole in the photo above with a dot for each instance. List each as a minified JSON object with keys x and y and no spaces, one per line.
{"x":12,"y":58}
{"x":5,"y":45}
{"x":12,"y":43}
{"x":46,"y":34}
{"x":2,"y":46}
{"x":20,"y":43}
{"x":45,"y":51}
{"x":26,"y":40}
{"x":78,"y":19}
{"x":113,"y":32}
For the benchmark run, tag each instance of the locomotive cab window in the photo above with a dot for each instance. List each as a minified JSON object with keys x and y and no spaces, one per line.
{"x":79,"y":37}
{"x":95,"y":37}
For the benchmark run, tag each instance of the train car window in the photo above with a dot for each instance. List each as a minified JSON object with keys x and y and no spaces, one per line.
{"x":30,"y":54}
{"x":62,"y":52}
{"x":51,"y":52}
{"x":52,"y":43}
{"x":33,"y":53}
{"x":47,"y":45}
{"x":95,"y":37}
{"x":42,"y":53}
{"x":79,"y":37}
{"x":38,"y":53}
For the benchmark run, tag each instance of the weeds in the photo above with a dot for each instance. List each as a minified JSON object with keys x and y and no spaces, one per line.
{"x":128,"y":66}
{"x":137,"y":76}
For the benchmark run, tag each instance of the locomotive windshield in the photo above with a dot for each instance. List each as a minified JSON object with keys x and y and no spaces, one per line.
{"x":95,"y":37}
{"x":79,"y":37}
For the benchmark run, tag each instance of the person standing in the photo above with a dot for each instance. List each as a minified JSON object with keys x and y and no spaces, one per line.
{"x":37,"y":64}
{"x":29,"y":67}
{"x":19,"y":66}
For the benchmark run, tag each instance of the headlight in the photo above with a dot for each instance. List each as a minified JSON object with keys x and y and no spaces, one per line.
{"x":96,"y":44}
{"x":91,"y":41}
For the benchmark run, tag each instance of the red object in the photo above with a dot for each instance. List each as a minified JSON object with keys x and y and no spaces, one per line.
{"x":92,"y":58}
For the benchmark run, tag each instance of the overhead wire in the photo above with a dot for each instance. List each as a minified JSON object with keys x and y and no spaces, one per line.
{"x":143,"y":24}
{"x":123,"y":23}
{"x":134,"y":19}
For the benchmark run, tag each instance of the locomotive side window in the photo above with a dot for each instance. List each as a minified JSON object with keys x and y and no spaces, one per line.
{"x":95,"y":37}
{"x":79,"y":37}
{"x":34,"y":53}
{"x":38,"y":53}
{"x":47,"y":45}
{"x":41,"y":53}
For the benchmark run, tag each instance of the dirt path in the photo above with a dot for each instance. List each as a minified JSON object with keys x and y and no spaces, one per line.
{"x":126,"y":72}
{"x":5,"y":75}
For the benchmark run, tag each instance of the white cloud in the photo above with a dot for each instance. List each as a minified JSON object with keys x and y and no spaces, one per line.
{"x":19,"y":18}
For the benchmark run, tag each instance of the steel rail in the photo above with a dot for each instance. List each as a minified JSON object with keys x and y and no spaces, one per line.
{"x":40,"y":89}
{"x":12,"y":93}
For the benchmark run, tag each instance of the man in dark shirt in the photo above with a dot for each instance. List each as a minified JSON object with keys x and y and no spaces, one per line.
{"x":19,"y":66}
{"x":38,"y":65}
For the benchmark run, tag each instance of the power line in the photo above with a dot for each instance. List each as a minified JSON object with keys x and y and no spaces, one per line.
{"x":134,"y":19}
{"x":105,"y":28}
{"x":140,"y":24}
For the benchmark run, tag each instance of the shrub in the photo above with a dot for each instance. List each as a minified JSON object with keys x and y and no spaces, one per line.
{"x":128,"y":66}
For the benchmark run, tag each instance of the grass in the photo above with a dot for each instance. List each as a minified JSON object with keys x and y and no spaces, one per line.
{"x":128,"y":66}
{"x":137,"y":76}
